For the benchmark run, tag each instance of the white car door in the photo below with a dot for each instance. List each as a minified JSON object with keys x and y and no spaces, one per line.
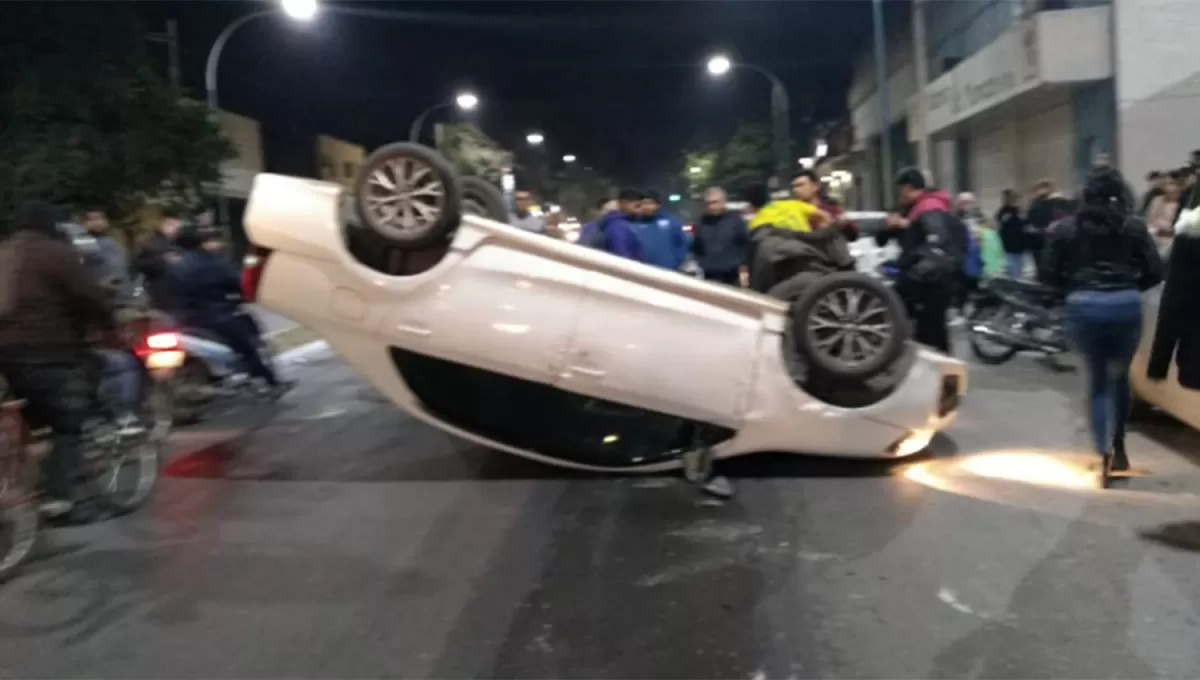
{"x":667,"y":352}
{"x":1168,"y":394}
{"x":499,"y":309}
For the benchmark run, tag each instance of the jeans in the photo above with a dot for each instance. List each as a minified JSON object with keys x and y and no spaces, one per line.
{"x":239,"y":336}
{"x":121,"y":380}
{"x":1014,"y":265}
{"x":1105,"y":327}
{"x":57,"y":395}
{"x":927,"y":305}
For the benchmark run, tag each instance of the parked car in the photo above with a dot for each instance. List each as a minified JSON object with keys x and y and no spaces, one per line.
{"x":575,"y":357}
{"x":1168,"y":395}
{"x":866,"y":252}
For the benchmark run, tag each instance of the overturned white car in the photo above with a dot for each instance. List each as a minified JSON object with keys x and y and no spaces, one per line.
{"x":573,"y":356}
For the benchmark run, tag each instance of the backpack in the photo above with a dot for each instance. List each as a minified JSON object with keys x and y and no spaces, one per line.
{"x":936,"y":261}
{"x":597,"y":237}
{"x":973,"y":263}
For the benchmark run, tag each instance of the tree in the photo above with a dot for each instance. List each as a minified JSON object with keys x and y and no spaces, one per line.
{"x":472,"y":152}
{"x":86,"y":120}
{"x":745,"y":159}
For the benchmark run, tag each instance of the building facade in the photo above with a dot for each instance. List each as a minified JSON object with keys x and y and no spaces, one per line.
{"x":1023,"y":90}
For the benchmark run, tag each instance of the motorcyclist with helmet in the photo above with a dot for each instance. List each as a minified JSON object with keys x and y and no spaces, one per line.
{"x":49,"y":305}
{"x":205,"y":293}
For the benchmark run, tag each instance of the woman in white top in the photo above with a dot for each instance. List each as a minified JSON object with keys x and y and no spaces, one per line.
{"x":1160,"y":216}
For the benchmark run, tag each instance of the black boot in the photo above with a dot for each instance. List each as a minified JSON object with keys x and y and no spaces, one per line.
{"x":1120,"y":461}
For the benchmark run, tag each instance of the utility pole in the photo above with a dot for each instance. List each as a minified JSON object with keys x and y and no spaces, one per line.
{"x":170,"y":38}
{"x":922,"y":65}
{"x":881,"y":91}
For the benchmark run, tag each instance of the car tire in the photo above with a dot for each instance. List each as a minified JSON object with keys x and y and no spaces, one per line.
{"x":821,"y":313}
{"x":483,"y":199}
{"x":405,"y":221}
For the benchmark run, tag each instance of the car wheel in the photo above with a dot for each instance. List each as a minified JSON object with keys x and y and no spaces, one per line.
{"x":482,"y":199}
{"x":408,"y":194}
{"x":850,"y":326}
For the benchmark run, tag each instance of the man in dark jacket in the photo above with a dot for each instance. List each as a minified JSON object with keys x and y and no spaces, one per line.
{"x":1038,"y":219}
{"x":721,"y":240}
{"x":933,"y":248}
{"x":155,"y":256}
{"x":1012,"y":234}
{"x":207,"y":294}
{"x":49,"y":302}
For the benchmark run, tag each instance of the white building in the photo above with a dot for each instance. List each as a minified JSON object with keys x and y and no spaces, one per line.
{"x":1020,"y":90}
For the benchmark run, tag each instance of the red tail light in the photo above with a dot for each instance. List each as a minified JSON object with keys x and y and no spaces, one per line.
{"x":253,"y":265}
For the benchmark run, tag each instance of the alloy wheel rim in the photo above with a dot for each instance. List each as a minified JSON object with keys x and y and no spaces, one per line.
{"x":405,"y":195}
{"x":850,"y":325}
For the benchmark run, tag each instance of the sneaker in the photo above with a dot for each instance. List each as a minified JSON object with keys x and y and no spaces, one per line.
{"x":1120,"y":460}
{"x":56,"y":507}
{"x":129,"y":425}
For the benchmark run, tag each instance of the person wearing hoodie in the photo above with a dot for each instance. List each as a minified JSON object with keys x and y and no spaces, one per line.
{"x":613,"y":232}
{"x":721,"y":241}
{"x":663,"y":241}
{"x":933,"y":246}
{"x":207,"y":294}
{"x":50,"y":302}
{"x":1103,"y":258}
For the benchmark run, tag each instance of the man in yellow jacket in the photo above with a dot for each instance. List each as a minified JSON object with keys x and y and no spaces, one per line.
{"x":799,"y":213}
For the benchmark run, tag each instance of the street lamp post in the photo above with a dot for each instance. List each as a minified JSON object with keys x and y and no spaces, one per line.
{"x":300,"y":10}
{"x":719,"y":65}
{"x":535,"y":138}
{"x":466,"y":101}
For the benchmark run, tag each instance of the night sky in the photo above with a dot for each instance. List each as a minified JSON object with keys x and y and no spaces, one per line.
{"x":621,"y":84}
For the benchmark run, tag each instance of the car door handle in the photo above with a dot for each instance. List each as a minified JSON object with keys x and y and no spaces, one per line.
{"x":589,"y":372}
{"x":411,"y":329}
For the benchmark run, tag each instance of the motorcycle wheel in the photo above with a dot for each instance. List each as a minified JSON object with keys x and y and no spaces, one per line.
{"x":988,"y":351}
{"x":186,"y":386}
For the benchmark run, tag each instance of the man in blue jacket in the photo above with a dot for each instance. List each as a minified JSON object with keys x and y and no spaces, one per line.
{"x":664,"y":242}
{"x":614,"y":232}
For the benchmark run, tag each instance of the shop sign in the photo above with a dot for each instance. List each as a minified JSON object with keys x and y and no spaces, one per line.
{"x":988,"y":77}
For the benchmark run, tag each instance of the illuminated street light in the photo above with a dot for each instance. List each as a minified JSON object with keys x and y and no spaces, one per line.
{"x":719,"y":65}
{"x":695,"y":169}
{"x":299,"y":10}
{"x":822,"y":149}
{"x":535,"y":138}
{"x":674,"y":198}
{"x":302,"y":10}
{"x":568,"y":158}
{"x":466,"y":101}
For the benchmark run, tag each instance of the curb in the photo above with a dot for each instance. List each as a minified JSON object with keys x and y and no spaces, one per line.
{"x":291,"y":338}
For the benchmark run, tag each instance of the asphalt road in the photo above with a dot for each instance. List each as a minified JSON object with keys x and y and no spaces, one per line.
{"x":378,"y":547}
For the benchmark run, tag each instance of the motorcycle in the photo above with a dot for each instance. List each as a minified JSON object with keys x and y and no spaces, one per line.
{"x":1011,"y":316}
{"x":213,"y":372}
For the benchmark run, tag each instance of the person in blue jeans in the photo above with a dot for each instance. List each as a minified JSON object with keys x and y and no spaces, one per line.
{"x":1103,"y":258}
